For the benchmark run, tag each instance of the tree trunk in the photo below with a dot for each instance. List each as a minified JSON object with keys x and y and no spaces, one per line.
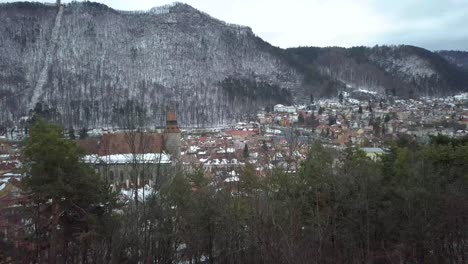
{"x":52,"y":259}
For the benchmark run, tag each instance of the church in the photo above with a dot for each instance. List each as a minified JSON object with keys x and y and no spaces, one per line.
{"x":129,"y":159}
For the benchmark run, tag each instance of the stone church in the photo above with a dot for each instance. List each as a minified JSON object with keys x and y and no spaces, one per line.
{"x":132,"y":158}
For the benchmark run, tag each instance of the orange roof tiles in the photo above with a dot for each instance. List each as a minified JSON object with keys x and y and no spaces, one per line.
{"x":240,"y":133}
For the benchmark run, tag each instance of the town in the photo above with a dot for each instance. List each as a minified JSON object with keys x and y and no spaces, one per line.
{"x":278,"y":139}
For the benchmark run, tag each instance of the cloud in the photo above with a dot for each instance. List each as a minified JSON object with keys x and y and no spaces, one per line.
{"x":432,"y":24}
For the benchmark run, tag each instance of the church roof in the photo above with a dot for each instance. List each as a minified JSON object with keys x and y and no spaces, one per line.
{"x":122,"y":143}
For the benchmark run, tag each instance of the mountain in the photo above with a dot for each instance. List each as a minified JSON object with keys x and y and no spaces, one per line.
{"x":89,"y":62}
{"x":396,"y":70}
{"x":459,"y":58}
{"x":88,"y":65}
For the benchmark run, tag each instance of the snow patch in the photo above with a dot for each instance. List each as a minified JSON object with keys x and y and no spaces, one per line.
{"x":129,"y":158}
{"x":366,"y":91}
{"x":413,"y":65}
{"x":143,"y":193}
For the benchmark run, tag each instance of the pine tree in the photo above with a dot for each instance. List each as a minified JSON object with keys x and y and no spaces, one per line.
{"x":71,"y":133}
{"x":387,"y":118}
{"x":72,"y":199}
{"x":246,"y":151}
{"x":331,"y":120}
{"x":320,"y":111}
{"x":83,"y":133}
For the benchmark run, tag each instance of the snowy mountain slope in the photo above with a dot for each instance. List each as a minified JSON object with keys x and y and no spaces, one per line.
{"x":175,"y":55}
{"x":459,"y":58}
{"x":94,"y":66}
{"x":399,"y":70}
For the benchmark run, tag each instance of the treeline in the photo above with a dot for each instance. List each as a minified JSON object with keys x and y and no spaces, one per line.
{"x":25,"y":5}
{"x":257,"y":91}
{"x":408,"y":206}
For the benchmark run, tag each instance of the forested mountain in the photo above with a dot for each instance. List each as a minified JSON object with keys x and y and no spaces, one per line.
{"x":88,"y":63}
{"x":397,"y":70}
{"x":459,"y":58}
{"x":86,"y":60}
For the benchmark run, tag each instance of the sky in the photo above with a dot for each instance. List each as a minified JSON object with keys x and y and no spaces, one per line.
{"x":431,"y":24}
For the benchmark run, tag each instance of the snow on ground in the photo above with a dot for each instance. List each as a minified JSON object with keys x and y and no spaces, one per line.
{"x":462,"y":96}
{"x":232,"y":179}
{"x":143,"y":193}
{"x":224,"y":151}
{"x":353,"y":101}
{"x":5,"y":178}
{"x":129,"y":158}
{"x":273,"y":131}
{"x":414,"y":65}
{"x":366,"y":91}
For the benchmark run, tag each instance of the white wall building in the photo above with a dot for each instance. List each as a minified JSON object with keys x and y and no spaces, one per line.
{"x":284,"y":108}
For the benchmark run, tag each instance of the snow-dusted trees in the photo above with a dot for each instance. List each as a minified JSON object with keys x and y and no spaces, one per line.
{"x":101,"y":58}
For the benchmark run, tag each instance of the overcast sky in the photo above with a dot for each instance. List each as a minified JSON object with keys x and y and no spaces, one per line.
{"x":432,"y":24}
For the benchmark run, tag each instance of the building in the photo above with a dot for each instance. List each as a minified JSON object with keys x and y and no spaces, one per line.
{"x":135,"y":158}
{"x":284,"y":109}
{"x":11,"y":211}
{"x":374,"y":153}
{"x":172,"y":136}
{"x":241,"y":134}
{"x":128,"y":170}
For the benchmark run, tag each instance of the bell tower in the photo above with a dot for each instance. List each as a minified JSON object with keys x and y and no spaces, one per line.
{"x":172,"y":135}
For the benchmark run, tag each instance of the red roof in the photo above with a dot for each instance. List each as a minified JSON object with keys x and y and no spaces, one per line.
{"x":241,"y":133}
{"x":171,"y":116}
{"x":121,"y":143}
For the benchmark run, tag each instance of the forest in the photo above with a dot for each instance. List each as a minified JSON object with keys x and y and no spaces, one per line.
{"x":86,"y":60}
{"x":408,"y":206}
{"x":401,"y":70}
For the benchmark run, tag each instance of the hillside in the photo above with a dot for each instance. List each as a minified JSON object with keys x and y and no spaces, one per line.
{"x":396,"y":70}
{"x":100,"y":58}
{"x":95,"y":66}
{"x":459,"y":58}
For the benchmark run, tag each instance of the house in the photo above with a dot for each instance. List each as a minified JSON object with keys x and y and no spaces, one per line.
{"x":10,"y":210}
{"x":5,"y":147}
{"x":284,"y":109}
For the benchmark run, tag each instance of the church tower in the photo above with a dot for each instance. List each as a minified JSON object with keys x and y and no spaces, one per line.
{"x":172,"y":135}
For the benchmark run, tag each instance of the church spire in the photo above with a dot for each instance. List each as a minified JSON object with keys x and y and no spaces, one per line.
{"x":172,"y":135}
{"x":171,"y":123}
